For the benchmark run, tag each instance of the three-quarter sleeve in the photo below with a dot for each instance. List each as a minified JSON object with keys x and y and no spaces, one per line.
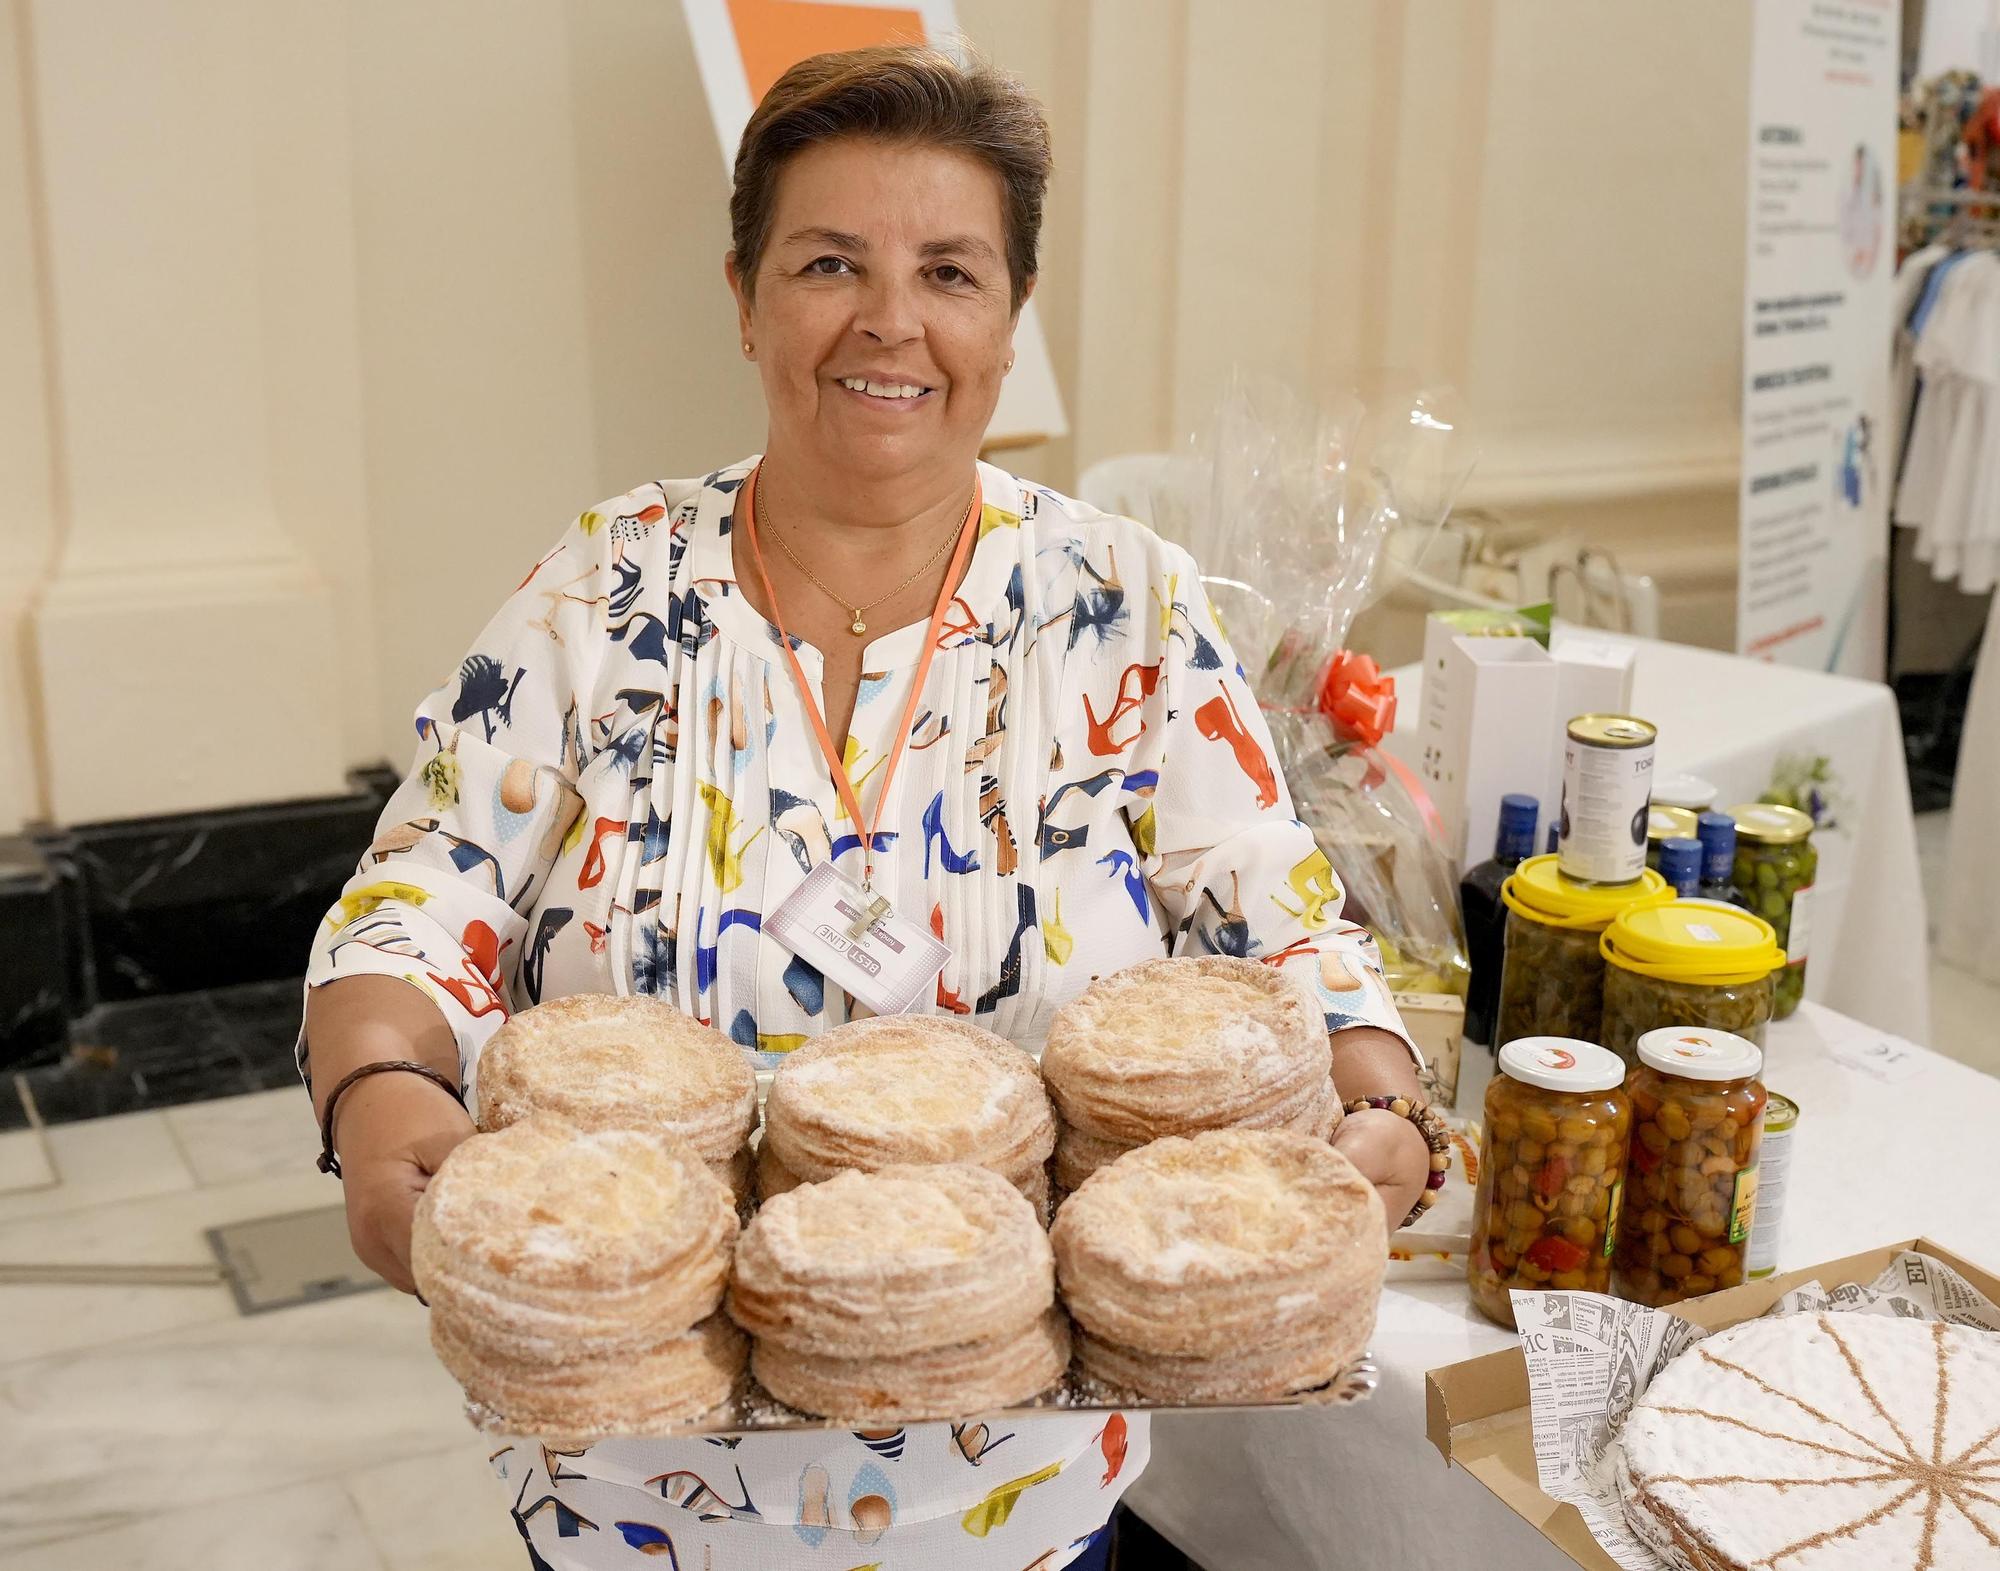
{"x":442,"y":895}
{"x":1234,"y":869}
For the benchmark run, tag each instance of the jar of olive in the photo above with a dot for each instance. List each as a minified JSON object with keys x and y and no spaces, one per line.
{"x":1552,"y":973}
{"x":1551,"y":1166}
{"x":1664,"y":824}
{"x":1691,"y":1177}
{"x":1693,"y":963}
{"x":1776,"y":865}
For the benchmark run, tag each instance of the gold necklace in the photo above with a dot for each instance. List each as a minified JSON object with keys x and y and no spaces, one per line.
{"x":857,"y":626}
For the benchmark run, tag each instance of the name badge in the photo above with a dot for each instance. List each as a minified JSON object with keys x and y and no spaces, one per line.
{"x":858,"y":942}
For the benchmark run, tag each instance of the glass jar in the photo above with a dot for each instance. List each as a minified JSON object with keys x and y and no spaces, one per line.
{"x":1552,"y":974}
{"x":1694,"y":963}
{"x":1551,"y":1166}
{"x":1664,"y":824}
{"x":1776,"y":865}
{"x":1691,"y":1176}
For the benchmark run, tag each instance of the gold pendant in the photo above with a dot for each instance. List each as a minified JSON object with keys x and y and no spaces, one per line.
{"x":859,"y":626}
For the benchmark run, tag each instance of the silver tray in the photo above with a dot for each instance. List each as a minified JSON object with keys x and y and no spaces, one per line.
{"x":753,"y":1410}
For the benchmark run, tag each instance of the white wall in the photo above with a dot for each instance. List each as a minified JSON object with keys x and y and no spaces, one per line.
{"x":462,"y":277}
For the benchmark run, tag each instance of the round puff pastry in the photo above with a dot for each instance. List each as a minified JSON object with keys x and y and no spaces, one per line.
{"x":579,"y":1402}
{"x":774,"y":1178}
{"x":603,"y":1063}
{"x":954,"y":1381}
{"x":908,"y":1088}
{"x":887,"y":1264}
{"x":1234,"y":1238}
{"x":1168,"y":1047}
{"x":1079,"y":1154}
{"x":1260,"y":1373}
{"x":547,"y":1242}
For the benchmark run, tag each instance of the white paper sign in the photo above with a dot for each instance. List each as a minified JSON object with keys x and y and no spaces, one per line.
{"x":1816,"y":333}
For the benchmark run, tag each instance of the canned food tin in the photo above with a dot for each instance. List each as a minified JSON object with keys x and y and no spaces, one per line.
{"x":1607,"y":791}
{"x":1781,"y":1120}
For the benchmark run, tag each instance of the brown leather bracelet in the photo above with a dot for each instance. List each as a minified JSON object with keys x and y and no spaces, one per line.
{"x":330,"y":1163}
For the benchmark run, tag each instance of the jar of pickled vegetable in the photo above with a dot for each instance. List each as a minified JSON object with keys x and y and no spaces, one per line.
{"x":1776,"y":865}
{"x":1691,"y":1177}
{"x":1552,"y":974}
{"x":1664,"y":824}
{"x":1694,"y":963}
{"x":1551,"y":1165}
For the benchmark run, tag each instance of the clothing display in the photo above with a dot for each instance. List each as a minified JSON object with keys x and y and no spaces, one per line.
{"x":1946,"y":365}
{"x":623,"y":779}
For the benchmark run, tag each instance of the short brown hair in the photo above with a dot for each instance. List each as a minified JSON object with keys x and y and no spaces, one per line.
{"x":900,"y":93}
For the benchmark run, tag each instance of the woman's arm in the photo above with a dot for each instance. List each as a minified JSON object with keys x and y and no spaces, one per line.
{"x":414,"y":958}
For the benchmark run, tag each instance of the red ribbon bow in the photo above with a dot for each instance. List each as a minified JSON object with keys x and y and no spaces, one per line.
{"x":1358,"y":697}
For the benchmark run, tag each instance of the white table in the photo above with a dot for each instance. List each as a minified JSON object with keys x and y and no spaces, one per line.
{"x":1730,"y":720}
{"x":1876,"y":1161}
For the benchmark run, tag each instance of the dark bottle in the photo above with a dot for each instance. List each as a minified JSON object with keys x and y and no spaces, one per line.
{"x":1718,"y":858}
{"x":1680,"y":866}
{"x":1485,"y":916}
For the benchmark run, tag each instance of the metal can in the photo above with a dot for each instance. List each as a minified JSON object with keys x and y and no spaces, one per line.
{"x":1774,"y":1162}
{"x":1607,"y":792}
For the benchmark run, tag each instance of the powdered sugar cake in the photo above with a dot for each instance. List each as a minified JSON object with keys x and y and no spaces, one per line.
{"x":1239,"y":1263}
{"x":908,"y":1088}
{"x":1173,"y":1046}
{"x":1832,"y":1442}
{"x":603,"y":1062}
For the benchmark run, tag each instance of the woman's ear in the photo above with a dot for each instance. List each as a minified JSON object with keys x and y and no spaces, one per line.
{"x":1027,"y":294}
{"x":735,"y":281}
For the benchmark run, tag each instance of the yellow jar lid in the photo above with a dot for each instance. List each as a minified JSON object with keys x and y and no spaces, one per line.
{"x":1542,"y":894}
{"x":1707,"y":942}
{"x":1771,"y":823}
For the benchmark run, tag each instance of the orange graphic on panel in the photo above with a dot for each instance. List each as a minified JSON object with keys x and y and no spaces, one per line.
{"x":775,"y":35}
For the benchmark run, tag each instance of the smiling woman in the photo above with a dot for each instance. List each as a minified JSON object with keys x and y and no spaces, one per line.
{"x":988,"y":708}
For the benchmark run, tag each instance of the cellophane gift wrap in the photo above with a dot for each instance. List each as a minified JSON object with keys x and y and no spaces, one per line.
{"x":1287,"y":505}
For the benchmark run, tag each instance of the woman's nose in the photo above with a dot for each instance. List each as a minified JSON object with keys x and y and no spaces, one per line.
{"x":889,"y":313}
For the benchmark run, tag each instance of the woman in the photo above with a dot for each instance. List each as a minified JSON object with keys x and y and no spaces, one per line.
{"x":1012,"y":717}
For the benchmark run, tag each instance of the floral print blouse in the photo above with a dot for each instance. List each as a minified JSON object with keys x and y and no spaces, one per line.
{"x":621,"y":780}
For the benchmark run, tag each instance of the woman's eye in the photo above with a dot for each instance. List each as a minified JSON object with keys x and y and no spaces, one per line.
{"x":827,"y":266}
{"x":951,"y":275}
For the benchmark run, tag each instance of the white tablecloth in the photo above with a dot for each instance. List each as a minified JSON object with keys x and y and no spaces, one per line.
{"x":1730,"y":720}
{"x":1877,"y":1160}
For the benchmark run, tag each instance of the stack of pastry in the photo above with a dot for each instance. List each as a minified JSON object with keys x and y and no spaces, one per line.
{"x":1234,"y":1265}
{"x":609,"y":1063}
{"x":909,"y":1293}
{"x":906,"y":1089}
{"x":1171,"y":1047}
{"x":573,"y":1278}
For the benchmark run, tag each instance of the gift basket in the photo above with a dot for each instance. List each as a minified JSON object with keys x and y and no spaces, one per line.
{"x":1294,"y":504}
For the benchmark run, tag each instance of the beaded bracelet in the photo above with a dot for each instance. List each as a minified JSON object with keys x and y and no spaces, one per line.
{"x":1436,"y":1136}
{"x":328,"y":1161}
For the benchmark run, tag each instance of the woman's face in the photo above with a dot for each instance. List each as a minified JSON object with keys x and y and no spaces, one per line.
{"x":886,"y":265}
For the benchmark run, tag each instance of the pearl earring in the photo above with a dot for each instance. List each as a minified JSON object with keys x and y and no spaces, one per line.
{"x":748,"y":347}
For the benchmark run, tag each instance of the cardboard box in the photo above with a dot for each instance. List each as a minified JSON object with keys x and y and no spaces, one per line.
{"x":1435,"y":1022}
{"x":1488,"y":724}
{"x":1477,"y":1411}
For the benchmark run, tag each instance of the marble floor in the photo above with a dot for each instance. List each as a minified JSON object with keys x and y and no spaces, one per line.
{"x":154,"y":1429}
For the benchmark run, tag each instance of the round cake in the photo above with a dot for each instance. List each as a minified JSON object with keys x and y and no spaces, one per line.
{"x":916,"y":1291}
{"x":544,"y":1246}
{"x":1238,"y":1263}
{"x":908,"y":1088}
{"x":1829,"y":1442}
{"x":1170,"y":1047}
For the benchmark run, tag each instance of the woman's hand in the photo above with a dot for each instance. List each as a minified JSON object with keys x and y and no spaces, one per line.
{"x":393,"y":1132}
{"x":1392,"y":1155}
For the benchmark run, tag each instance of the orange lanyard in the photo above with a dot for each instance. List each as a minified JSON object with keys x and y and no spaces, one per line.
{"x":835,"y":765}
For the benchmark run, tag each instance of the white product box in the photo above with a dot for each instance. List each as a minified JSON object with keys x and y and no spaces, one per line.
{"x":1488,"y":726}
{"x":1593,"y":677}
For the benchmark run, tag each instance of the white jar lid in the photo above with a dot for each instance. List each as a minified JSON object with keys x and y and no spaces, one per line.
{"x":1561,"y":1063}
{"x":1701,"y":1055}
{"x":1688,"y":791}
